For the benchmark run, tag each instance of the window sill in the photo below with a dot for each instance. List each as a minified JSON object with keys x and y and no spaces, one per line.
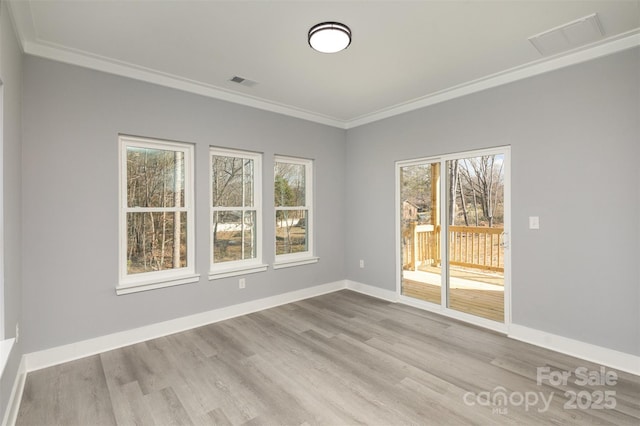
{"x":232,"y":272}
{"x":289,"y":263}
{"x":152,"y":285}
{"x":5,"y":352}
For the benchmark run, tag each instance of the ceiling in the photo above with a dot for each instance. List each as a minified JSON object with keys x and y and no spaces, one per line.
{"x":404,"y":54}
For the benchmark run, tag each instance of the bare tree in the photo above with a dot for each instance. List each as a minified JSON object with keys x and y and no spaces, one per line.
{"x":154,"y":179}
{"x":289,"y":192}
{"x":230,"y":177}
{"x":483,"y":176}
{"x":462,"y":200}
{"x":453,"y":184}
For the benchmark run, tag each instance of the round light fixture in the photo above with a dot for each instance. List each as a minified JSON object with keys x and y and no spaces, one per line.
{"x":329,"y":37}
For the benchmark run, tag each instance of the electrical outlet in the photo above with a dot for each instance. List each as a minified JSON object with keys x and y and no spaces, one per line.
{"x":242,"y":282}
{"x":534,"y":222}
{"x":17,"y":332}
{"x":361,"y":263}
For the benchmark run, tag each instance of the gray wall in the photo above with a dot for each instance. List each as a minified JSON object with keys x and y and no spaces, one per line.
{"x":70,"y":190}
{"x":575,"y":144}
{"x":574,"y":137}
{"x":11,"y":74}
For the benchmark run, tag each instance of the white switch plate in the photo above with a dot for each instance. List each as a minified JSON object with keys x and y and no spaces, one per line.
{"x":361,"y":263}
{"x":242,"y":283}
{"x":534,"y":222}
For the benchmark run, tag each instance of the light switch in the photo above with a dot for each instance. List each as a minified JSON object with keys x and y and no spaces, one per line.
{"x":534,"y":222}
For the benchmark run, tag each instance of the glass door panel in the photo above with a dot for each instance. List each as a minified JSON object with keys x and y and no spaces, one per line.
{"x":475,"y":216}
{"x":420,"y":231}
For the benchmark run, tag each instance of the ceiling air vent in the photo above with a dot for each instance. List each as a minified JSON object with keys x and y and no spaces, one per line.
{"x":568,"y":36}
{"x":243,"y":81}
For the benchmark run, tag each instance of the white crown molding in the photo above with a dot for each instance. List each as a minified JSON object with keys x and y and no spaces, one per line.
{"x":124,"y":69}
{"x":22,"y":18}
{"x":606,"y":47}
{"x":32,"y":45}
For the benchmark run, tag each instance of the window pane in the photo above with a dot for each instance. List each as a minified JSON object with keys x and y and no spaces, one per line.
{"x":289,"y":185}
{"x":156,"y":241}
{"x":232,"y":181}
{"x":233,"y":238}
{"x":155,"y":177}
{"x":291,"y":231}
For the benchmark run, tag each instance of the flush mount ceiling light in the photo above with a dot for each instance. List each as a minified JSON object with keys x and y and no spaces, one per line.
{"x":329,"y":37}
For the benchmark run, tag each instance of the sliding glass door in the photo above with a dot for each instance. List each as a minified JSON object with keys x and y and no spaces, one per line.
{"x":453,"y":216}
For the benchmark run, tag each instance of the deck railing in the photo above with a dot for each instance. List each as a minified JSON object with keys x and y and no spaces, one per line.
{"x":421,"y":246}
{"x":474,"y":247}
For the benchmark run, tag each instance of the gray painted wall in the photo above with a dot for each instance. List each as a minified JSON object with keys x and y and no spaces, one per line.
{"x":11,"y":75}
{"x":574,"y":134}
{"x":575,"y":142}
{"x":70,"y":191}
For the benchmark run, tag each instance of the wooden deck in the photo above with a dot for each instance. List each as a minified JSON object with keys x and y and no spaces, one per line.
{"x":483,"y":303}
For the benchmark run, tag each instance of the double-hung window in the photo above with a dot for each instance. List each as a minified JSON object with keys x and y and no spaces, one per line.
{"x":293,"y":199}
{"x":156,"y":214}
{"x":236,"y":213}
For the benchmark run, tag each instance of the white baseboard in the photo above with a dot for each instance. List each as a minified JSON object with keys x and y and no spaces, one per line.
{"x":73,"y":351}
{"x":11,"y":414}
{"x":587,"y":351}
{"x":5,"y":352}
{"x":373,"y":291}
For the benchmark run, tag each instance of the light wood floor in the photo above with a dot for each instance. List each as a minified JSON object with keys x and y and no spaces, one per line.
{"x":494,"y":278}
{"x":338,"y":359}
{"x":484,"y":303}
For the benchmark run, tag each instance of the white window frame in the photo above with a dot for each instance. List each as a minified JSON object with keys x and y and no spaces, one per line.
{"x":244,"y":266}
{"x":305,"y":257}
{"x":6,"y":345}
{"x":170,"y":277}
{"x":2,"y":308}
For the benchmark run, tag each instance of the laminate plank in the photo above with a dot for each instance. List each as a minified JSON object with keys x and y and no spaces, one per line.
{"x":296,"y":382}
{"x":135,"y":363}
{"x":377,"y":383}
{"x":230,"y":395}
{"x":278,"y":404}
{"x":167,"y":409}
{"x":457,"y":413}
{"x":214,"y":417}
{"x":318,"y":371}
{"x":74,"y":393}
{"x":131,"y":407}
{"x":188,"y":365}
{"x":309,"y":369}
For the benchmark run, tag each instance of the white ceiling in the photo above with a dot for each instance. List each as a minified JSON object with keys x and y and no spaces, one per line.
{"x":404,"y":54}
